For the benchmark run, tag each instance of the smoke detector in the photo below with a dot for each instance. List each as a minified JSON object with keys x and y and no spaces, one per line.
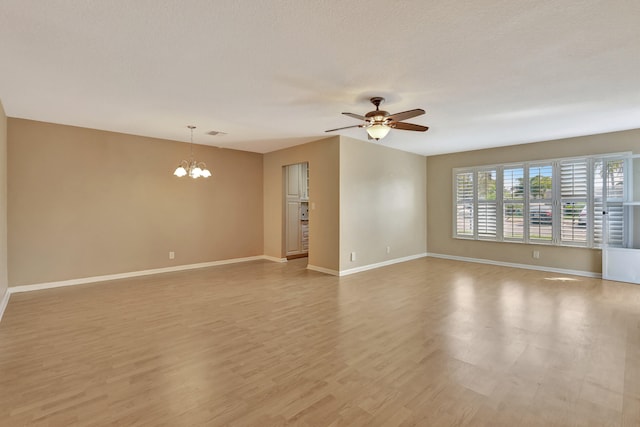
{"x":216,"y":133}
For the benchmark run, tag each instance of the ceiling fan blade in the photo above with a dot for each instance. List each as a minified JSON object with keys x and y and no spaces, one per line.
{"x":355,"y":116}
{"x":346,"y":127}
{"x":408,"y":126}
{"x":406,"y":115}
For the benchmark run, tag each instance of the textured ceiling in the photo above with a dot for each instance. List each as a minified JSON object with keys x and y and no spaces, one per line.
{"x":273,"y":74}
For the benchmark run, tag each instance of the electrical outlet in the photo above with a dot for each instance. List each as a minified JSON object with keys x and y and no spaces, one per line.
{"x":536,"y":254}
{"x":353,"y":256}
{"x":388,"y":249}
{"x":172,"y":255}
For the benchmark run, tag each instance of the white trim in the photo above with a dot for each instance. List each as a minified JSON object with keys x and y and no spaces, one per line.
{"x":323,"y":270}
{"x":514,"y":265}
{"x":381,"y":264}
{"x":4,"y":302}
{"x":274,"y":259}
{"x":107,"y":277}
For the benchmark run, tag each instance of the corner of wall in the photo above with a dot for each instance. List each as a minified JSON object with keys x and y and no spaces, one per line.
{"x":426,"y":204}
{"x":323,"y":158}
{"x":4,"y":277}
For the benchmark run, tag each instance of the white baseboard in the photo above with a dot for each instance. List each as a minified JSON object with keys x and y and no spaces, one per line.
{"x":323,"y":270}
{"x":4,"y":302}
{"x":514,"y":265}
{"x":381,"y":264}
{"x":85,"y":280}
{"x":274,"y":259}
{"x":107,"y":277}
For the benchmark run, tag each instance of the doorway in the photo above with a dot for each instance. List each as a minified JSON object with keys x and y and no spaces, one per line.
{"x":296,"y":210}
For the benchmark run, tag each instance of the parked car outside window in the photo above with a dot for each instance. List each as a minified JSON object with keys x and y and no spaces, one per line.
{"x":540,"y":214}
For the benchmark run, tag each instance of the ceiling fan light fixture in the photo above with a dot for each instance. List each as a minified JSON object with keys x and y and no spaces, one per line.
{"x":378,"y":123}
{"x":378,"y":131}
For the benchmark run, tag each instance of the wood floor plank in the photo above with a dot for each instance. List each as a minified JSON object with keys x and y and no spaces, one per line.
{"x":423,"y":343}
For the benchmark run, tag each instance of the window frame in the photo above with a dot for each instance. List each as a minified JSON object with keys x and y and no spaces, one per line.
{"x":473,"y":235}
{"x":588,"y":200}
{"x":486,"y":201}
{"x":557,"y":209}
{"x":522,"y":201}
{"x":527,"y":215}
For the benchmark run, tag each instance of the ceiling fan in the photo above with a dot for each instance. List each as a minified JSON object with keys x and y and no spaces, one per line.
{"x":378,"y":123}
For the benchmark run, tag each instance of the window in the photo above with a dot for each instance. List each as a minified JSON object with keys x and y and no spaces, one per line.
{"x":573,"y":201}
{"x":540,"y":202}
{"x":559,"y":202}
{"x":513,"y":203}
{"x":464,"y":204}
{"x":487,"y":206}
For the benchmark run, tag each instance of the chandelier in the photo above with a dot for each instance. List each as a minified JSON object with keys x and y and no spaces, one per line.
{"x":192,"y":168}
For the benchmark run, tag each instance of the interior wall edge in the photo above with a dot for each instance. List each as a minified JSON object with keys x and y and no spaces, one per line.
{"x":4,"y":253}
{"x":274,"y":259}
{"x":323,"y":270}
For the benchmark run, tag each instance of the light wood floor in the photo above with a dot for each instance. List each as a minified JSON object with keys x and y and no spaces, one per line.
{"x":428,"y":342}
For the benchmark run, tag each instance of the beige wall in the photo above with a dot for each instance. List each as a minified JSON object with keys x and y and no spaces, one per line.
{"x":3,"y":205}
{"x":439,"y":200}
{"x":382,"y":203}
{"x":324,"y":193}
{"x":85,"y":202}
